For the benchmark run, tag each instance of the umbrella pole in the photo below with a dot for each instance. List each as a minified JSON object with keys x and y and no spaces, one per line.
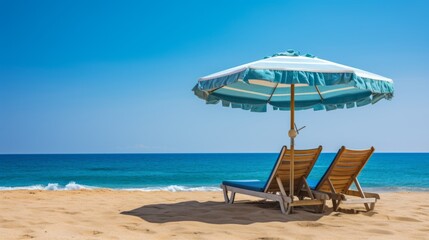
{"x":292,"y":134}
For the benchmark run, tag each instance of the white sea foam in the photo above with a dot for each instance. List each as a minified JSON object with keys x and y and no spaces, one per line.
{"x":175,"y":188}
{"x":178,"y":188}
{"x":75,"y":186}
{"x":50,"y":187}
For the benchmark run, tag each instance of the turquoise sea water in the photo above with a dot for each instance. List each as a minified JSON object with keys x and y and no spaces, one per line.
{"x":187,"y":172}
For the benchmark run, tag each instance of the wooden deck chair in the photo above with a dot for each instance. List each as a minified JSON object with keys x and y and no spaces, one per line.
{"x":276,"y":187}
{"x":342,"y":173}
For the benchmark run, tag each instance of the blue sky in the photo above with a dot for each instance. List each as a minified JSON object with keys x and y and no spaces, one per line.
{"x":103,"y":76}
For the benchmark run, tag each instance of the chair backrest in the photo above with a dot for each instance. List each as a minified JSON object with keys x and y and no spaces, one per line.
{"x":346,"y":166}
{"x":304,"y":161}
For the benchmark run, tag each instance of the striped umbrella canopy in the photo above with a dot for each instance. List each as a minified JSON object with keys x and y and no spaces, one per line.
{"x":290,"y":81}
{"x":320,"y":84}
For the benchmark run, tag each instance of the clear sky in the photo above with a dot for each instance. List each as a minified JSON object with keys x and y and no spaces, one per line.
{"x":113,"y":77}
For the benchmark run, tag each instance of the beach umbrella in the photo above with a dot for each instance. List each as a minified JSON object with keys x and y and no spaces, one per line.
{"x":291,"y":81}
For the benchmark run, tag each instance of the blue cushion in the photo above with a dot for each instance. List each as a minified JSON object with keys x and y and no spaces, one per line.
{"x":253,"y":185}
{"x":312,"y":183}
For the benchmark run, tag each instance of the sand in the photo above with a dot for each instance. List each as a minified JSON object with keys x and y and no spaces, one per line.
{"x":107,"y":214}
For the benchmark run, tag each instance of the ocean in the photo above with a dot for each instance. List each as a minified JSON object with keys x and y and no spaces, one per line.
{"x":190,"y":172}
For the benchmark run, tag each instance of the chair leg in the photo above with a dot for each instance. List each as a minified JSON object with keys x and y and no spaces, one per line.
{"x":371,"y":206}
{"x":282,"y":207}
{"x":225,"y":194}
{"x":362,"y":194}
{"x":368,"y":208}
{"x":285,"y":207}
{"x":231,"y":199}
{"x":289,"y":209}
{"x":336,"y":204}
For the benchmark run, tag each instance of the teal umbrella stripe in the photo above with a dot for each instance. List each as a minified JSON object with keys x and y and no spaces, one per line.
{"x":255,"y":98}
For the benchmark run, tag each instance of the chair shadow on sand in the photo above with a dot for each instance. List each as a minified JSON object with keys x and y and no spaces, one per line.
{"x":241,"y":212}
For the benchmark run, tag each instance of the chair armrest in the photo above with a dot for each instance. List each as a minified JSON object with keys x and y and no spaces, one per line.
{"x":367,"y":194}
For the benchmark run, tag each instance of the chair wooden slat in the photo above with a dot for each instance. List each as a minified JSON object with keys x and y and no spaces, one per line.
{"x":343,"y":172}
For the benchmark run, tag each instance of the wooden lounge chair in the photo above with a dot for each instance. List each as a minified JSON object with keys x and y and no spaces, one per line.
{"x":342,"y":172}
{"x":276,"y":188}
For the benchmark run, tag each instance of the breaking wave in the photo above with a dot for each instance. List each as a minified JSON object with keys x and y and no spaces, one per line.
{"x":50,"y":187}
{"x":177,"y":188}
{"x":75,"y":186}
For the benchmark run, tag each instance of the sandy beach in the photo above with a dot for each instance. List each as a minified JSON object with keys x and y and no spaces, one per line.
{"x":108,"y":214}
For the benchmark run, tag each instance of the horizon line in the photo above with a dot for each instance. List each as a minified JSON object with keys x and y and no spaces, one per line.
{"x":135,"y":153}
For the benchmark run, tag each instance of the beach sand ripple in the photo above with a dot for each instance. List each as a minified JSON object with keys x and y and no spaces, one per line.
{"x":108,"y":214}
